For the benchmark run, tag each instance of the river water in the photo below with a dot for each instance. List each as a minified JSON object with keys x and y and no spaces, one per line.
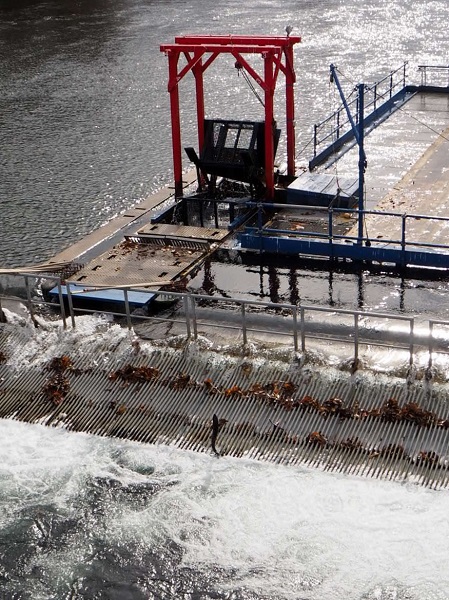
{"x":84,"y":125}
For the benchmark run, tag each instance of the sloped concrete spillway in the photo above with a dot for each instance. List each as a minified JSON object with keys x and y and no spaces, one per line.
{"x":103,"y":380}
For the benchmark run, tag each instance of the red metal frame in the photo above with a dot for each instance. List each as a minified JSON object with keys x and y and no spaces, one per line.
{"x":200,"y":51}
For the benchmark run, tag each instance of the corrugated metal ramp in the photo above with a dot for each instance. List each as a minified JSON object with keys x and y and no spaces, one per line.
{"x":269,"y":411}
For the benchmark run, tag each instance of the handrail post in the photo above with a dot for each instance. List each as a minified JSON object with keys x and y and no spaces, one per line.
{"x":412,"y":341}
{"x":403,"y":242}
{"x":356,"y":338}
{"x":295,"y":328}
{"x":61,"y":304}
{"x":70,"y":303}
{"x":195,"y":326}
{"x":315,"y":130}
{"x":187,"y":315}
{"x":391,"y":84}
{"x":243,"y":309}
{"x":29,"y":299}
{"x":430,"y":344}
{"x":128,"y":313}
{"x":303,"y":330}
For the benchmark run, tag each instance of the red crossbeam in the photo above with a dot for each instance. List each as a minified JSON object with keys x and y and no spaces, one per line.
{"x":272,"y":49}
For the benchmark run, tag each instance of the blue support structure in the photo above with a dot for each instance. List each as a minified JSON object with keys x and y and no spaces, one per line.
{"x":359,"y":136}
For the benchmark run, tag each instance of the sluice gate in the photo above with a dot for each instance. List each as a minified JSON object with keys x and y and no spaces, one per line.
{"x":277,"y":411}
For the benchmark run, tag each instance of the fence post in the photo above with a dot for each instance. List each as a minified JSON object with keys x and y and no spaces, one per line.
{"x":403,"y":244}
{"x":128,"y":313}
{"x":187,"y":315}
{"x":70,"y":303}
{"x":29,"y":300}
{"x":303,"y":330}
{"x":195,"y":326}
{"x":245,"y":340}
{"x":61,"y":304}
{"x":295,"y":328}
{"x":412,"y":341}
{"x":356,"y":338}
{"x":315,"y":143}
{"x":430,"y":343}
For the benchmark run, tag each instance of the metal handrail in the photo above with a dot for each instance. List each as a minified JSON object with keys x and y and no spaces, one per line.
{"x":329,"y":235}
{"x":380,"y":90}
{"x":438,"y":70}
{"x":296,"y":321}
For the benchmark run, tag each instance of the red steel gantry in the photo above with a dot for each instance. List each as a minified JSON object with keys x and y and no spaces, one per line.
{"x":272,"y":49}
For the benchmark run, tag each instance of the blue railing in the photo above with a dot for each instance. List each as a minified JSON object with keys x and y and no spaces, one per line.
{"x":375,"y":95}
{"x":401,"y":250}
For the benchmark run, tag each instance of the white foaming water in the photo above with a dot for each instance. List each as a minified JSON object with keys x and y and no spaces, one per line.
{"x":285,"y":531}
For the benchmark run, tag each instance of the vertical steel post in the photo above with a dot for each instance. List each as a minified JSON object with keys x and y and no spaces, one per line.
{"x":195,"y":326}
{"x":128,"y":312}
{"x":61,"y":304}
{"x":29,"y":299}
{"x":245,"y":340}
{"x":404,"y":217}
{"x":197,"y":70}
{"x":356,"y":338}
{"x":70,"y":303}
{"x":173,"y":57}
{"x":303,"y":330}
{"x":290,"y":110}
{"x":295,"y":328}
{"x":269,"y":123}
{"x":187,"y":315}
{"x":430,"y":344}
{"x":362,"y":165}
{"x":412,"y":340}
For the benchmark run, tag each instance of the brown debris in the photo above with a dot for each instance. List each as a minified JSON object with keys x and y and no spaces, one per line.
{"x":428,"y":458}
{"x":316,"y":438}
{"x":132,"y":374}
{"x":57,"y":388}
{"x":60,"y":364}
{"x":181,"y":381}
{"x":3,"y":357}
{"x":209,"y":385}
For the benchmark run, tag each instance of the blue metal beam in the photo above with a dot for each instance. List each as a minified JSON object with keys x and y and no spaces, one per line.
{"x":331,"y":249}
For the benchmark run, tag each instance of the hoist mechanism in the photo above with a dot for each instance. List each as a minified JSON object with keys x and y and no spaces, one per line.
{"x":239,"y":150}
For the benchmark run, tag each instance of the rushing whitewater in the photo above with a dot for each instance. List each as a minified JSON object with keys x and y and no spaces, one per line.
{"x":109,"y":519}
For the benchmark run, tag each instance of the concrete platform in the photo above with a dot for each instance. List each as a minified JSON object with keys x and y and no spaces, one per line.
{"x":424,"y":190}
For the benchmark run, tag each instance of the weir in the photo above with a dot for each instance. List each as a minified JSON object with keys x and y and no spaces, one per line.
{"x":160,"y":377}
{"x":273,"y":403}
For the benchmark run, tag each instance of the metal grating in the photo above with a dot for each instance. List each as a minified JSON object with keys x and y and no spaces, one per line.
{"x":133,"y":263}
{"x":277,"y":413}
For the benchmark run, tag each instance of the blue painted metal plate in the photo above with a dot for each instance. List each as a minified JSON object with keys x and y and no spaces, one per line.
{"x":106,"y":296}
